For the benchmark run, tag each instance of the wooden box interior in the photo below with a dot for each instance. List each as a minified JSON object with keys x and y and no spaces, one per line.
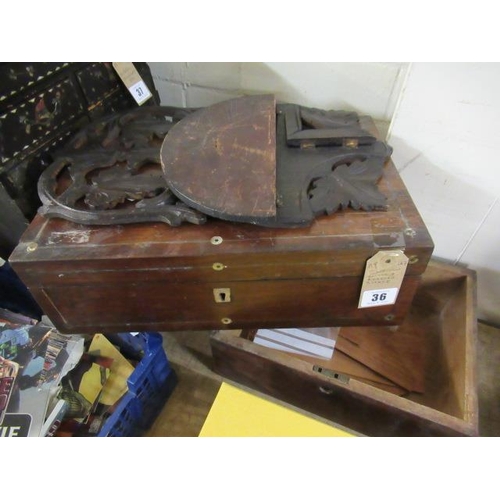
{"x":443,"y":314}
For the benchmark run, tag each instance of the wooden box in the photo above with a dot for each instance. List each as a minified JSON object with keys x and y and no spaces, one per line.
{"x":442,"y":315}
{"x":221,"y":274}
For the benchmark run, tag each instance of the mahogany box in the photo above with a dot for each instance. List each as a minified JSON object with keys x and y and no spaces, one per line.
{"x":151,"y":276}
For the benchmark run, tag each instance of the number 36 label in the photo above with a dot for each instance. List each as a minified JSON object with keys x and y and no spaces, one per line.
{"x":383,"y":297}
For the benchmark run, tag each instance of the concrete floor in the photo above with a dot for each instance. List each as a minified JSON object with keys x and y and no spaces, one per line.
{"x":190,"y":355}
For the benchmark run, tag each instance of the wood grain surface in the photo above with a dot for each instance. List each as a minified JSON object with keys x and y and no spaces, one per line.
{"x":397,"y":354}
{"x":221,"y":159}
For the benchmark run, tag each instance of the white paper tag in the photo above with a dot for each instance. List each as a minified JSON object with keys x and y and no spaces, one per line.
{"x":383,"y":297}
{"x":140,"y":92}
{"x":133,"y":81}
{"x":384,"y":274}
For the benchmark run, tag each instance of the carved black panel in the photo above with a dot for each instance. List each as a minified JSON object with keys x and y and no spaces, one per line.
{"x":325,"y":174}
{"x":110,"y":173}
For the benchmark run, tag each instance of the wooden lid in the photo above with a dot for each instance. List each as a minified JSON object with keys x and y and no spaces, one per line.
{"x":221,"y":159}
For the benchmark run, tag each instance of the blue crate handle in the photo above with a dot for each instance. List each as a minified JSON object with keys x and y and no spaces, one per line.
{"x":149,"y":386}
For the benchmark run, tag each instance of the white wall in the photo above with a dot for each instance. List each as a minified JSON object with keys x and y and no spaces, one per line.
{"x":368,"y":88}
{"x":445,"y":135}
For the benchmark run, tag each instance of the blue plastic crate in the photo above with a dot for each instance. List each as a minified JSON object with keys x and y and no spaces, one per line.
{"x":149,"y":386}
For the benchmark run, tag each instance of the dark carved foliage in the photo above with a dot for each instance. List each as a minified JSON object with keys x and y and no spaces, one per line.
{"x":110,"y":173}
{"x":345,"y":186}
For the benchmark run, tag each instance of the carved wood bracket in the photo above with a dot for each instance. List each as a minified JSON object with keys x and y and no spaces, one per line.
{"x":244,"y":160}
{"x":110,"y":173}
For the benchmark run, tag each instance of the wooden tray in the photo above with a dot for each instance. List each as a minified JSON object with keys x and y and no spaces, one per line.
{"x":443,"y":313}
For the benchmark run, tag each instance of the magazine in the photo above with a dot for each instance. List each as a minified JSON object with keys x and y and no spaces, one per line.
{"x":22,"y":350}
{"x":40,"y":356}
